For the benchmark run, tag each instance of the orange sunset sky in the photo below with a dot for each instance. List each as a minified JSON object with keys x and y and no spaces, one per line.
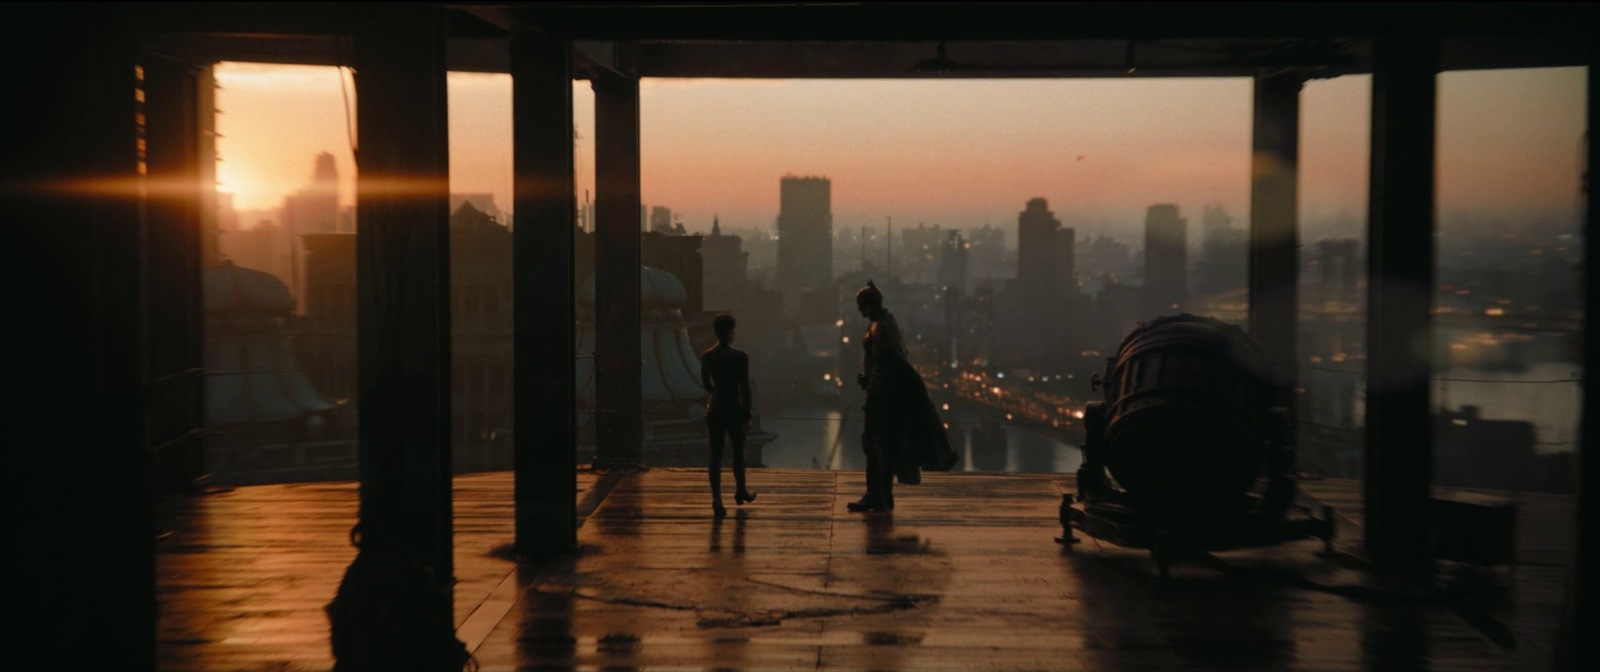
{"x":950,"y":152}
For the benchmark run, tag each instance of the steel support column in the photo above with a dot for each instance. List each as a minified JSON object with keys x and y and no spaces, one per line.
{"x":618,"y":421}
{"x":393,"y":609}
{"x":1400,"y":272}
{"x":542,"y":267}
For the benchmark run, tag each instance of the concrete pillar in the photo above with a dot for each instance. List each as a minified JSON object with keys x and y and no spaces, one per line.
{"x":1274,"y":317}
{"x":393,"y":609}
{"x":1400,"y":272}
{"x":1577,"y":648}
{"x":542,"y":268}
{"x":618,"y":428}
{"x":1274,"y":220}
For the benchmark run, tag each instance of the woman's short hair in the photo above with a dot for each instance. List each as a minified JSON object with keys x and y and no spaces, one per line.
{"x":723,"y":325}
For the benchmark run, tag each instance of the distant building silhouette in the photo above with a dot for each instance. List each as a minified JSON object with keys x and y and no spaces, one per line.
{"x":986,"y":256}
{"x":727,"y":269}
{"x":1101,"y":257}
{"x":805,"y":236}
{"x":953,"y":270}
{"x":1040,"y":316}
{"x":315,"y":207}
{"x":1166,"y":261}
{"x":918,"y":254}
{"x":328,"y":346}
{"x":1037,"y":256}
{"x":680,"y":256}
{"x":482,"y":202}
{"x":1224,"y":254}
{"x":660,"y":219}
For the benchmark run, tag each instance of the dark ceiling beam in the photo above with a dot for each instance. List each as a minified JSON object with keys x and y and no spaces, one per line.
{"x":845,"y":60}
{"x":1491,"y":52}
{"x":500,"y":17}
{"x":605,"y":59}
{"x":464,"y":54}
{"x":1479,"y":36}
{"x":257,"y":18}
{"x":1039,"y":21}
{"x":1017,"y":59}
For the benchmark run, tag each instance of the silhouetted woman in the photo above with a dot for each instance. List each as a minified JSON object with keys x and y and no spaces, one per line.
{"x":725,"y":373}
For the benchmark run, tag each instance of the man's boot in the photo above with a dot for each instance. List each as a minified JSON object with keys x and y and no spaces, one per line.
{"x":873,"y":501}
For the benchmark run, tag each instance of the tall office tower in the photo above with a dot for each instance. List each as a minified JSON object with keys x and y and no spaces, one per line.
{"x":1038,"y":231}
{"x":314,"y":208}
{"x":1166,"y":261}
{"x":805,"y":232}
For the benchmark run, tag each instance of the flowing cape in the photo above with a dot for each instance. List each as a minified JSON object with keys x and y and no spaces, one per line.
{"x":924,"y":444}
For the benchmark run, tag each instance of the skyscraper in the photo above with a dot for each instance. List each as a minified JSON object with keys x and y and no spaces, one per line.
{"x":805,"y":232}
{"x":314,"y":208}
{"x":1166,"y":261}
{"x":1038,"y":233}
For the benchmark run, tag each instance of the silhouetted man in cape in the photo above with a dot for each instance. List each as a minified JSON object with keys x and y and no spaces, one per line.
{"x":903,"y":433}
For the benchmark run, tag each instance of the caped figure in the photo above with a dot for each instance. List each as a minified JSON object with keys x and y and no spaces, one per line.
{"x":903,"y":433}
{"x":725,"y":374}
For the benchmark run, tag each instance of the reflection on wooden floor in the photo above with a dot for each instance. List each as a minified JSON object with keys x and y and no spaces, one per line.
{"x":964,"y":574}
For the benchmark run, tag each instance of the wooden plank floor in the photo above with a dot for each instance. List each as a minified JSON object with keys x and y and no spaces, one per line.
{"x":244,"y":576}
{"x":1525,"y":599}
{"x":965,"y":574}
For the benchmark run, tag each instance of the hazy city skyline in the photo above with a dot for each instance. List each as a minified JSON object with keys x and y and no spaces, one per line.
{"x":955,"y":153}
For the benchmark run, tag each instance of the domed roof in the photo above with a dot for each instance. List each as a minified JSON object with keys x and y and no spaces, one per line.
{"x":235,"y":290}
{"x":656,"y":287}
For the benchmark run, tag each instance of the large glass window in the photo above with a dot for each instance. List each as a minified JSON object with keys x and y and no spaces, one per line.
{"x":1019,"y":230}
